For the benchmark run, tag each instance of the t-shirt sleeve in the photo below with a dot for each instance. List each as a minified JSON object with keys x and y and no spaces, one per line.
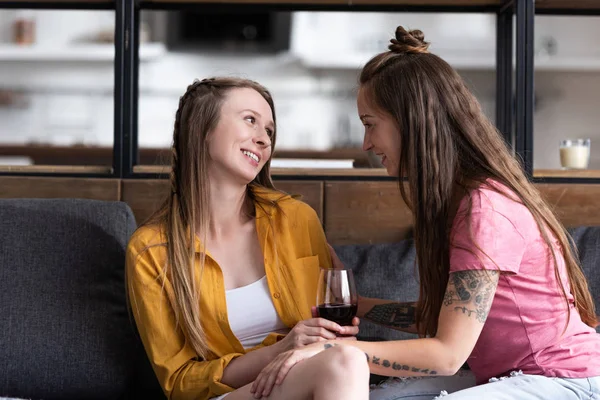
{"x":486,"y":239}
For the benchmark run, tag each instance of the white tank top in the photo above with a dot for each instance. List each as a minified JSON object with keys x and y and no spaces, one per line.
{"x":251,"y":313}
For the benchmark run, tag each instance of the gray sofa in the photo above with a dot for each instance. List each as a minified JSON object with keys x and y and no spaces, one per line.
{"x":66,"y":333}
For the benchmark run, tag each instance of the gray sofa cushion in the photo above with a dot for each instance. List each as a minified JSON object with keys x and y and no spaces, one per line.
{"x":66,"y":332}
{"x":587,"y":242}
{"x":389,"y":271}
{"x":386,"y":271}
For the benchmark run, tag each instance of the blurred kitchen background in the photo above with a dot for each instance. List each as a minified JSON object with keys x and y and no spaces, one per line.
{"x":57,"y":76}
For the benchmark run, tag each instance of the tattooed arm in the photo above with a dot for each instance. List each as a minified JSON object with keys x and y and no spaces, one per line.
{"x":467,"y":302}
{"x":394,"y":315}
{"x":466,"y":305}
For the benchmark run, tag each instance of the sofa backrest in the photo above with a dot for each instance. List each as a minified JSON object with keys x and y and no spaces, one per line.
{"x":587,"y":242}
{"x":389,"y":271}
{"x":66,"y":332}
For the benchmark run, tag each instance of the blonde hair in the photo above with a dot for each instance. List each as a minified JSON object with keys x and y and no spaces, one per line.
{"x":185,"y":211}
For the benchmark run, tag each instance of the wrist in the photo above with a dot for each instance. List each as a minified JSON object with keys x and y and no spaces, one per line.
{"x":278,"y":348}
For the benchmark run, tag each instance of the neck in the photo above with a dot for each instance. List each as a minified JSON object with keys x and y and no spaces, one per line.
{"x":229,"y":207}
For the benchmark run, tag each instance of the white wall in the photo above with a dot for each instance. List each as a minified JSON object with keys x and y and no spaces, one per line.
{"x":66,"y":103}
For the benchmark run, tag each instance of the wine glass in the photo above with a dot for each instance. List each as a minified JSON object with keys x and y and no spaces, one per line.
{"x":337,"y":299}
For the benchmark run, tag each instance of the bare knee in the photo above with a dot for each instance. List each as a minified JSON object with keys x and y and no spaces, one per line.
{"x":343,"y":361}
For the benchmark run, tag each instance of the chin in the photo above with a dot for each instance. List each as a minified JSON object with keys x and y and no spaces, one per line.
{"x":248,"y":176}
{"x":392,"y":171}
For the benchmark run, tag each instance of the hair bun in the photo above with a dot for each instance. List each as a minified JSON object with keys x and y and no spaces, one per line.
{"x":408,"y":42}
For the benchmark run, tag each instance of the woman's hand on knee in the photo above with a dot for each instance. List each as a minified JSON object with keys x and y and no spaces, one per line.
{"x":275,"y":372}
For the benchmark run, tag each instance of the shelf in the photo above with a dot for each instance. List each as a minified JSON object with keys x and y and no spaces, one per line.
{"x":165,"y":169}
{"x":483,"y":6}
{"x":467,"y":62}
{"x":358,"y":60}
{"x":61,"y":1}
{"x":63,"y":169}
{"x":429,"y":3}
{"x":448,"y":4}
{"x":458,"y":5}
{"x":566,"y":173}
{"x":60,"y":4}
{"x":567,"y":4}
{"x":101,"y":52}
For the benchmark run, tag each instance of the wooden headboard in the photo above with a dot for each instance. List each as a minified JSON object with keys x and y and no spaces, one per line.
{"x":352,"y":212}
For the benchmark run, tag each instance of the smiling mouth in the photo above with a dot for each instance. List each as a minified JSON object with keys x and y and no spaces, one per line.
{"x":251,"y":155}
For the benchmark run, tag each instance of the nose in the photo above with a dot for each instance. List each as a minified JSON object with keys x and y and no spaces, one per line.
{"x":367,"y":145}
{"x":262,"y":140}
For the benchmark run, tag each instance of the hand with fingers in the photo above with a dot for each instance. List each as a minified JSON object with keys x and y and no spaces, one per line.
{"x":348,"y":333}
{"x":275,"y":372}
{"x":315,"y":330}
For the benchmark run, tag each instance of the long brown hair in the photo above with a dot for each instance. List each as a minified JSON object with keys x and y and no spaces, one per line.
{"x":448,"y":147}
{"x":185,"y":212}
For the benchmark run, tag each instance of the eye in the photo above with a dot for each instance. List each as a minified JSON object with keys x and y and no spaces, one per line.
{"x":250,"y":119}
{"x":269,"y":132}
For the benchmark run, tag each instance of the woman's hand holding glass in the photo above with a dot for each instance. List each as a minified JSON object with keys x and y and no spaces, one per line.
{"x":337,"y":299}
{"x":315,"y":330}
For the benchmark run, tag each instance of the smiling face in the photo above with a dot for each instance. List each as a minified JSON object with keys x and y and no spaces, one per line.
{"x":240,"y":144}
{"x":382,"y":134}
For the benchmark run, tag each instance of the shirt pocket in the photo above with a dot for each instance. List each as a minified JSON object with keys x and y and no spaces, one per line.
{"x":302,"y":275}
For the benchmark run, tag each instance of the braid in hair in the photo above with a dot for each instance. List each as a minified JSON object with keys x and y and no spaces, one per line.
{"x":183,"y":100}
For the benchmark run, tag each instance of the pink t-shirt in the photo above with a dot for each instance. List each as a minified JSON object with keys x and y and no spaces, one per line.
{"x":523,"y":329}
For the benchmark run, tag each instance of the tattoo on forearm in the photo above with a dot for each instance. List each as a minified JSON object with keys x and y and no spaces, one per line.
{"x":394,"y":315}
{"x":397,"y":366}
{"x":472,"y":292}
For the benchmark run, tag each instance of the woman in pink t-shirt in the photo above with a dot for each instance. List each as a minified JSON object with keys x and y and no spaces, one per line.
{"x":500,"y":287}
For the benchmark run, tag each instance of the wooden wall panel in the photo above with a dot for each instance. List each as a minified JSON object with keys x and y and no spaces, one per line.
{"x":575,"y":204}
{"x":365,"y":212}
{"x":51,"y":187}
{"x":311,"y":192}
{"x":373,"y":212}
{"x":144,"y":196}
{"x":352,"y":211}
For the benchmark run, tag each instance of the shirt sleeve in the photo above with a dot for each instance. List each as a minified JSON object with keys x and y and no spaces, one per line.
{"x":174,"y":361}
{"x":485,"y":239}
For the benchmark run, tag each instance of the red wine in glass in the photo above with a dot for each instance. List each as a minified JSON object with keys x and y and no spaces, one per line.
{"x":342,"y":314}
{"x":337,"y":299}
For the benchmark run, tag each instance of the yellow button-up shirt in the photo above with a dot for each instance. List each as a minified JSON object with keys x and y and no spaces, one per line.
{"x":294,"y":248}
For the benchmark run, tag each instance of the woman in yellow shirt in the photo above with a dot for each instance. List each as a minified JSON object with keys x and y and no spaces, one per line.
{"x":222,"y":278}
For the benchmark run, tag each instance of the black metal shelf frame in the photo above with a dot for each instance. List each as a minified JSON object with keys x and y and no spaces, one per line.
{"x":517,"y":129}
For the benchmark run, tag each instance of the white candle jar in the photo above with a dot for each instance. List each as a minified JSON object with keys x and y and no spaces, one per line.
{"x":575,"y":153}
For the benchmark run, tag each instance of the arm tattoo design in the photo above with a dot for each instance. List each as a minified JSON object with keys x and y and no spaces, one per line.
{"x":397,"y":366}
{"x":472,"y":292}
{"x":393,"y":315}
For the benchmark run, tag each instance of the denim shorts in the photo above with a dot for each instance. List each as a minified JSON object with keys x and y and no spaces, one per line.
{"x":462,"y":387}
